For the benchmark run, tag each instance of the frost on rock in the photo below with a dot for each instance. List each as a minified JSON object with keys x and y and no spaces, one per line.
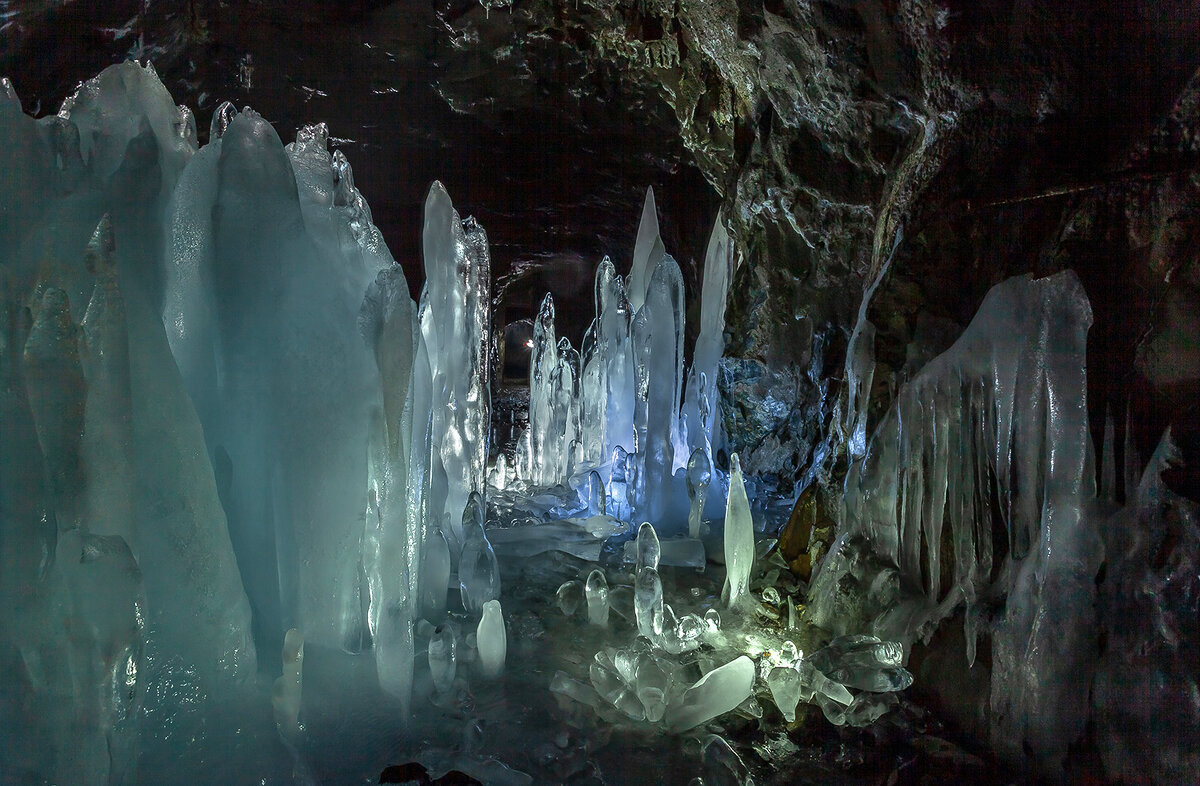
{"x":999,"y":419}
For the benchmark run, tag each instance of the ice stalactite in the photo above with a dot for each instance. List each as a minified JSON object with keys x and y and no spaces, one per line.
{"x":993,"y":430}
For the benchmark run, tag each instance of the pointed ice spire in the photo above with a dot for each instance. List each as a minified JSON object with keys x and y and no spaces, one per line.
{"x":739,"y":537}
{"x":647,"y":250}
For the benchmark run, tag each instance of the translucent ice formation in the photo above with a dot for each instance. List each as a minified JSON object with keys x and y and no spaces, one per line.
{"x":597,"y":598}
{"x":716,"y":693}
{"x":478,"y":570}
{"x":700,"y":402}
{"x":699,"y":475}
{"x":491,"y":640}
{"x":456,"y":329}
{"x":648,"y":603}
{"x":443,"y":658}
{"x":994,"y":429}
{"x":289,"y":687}
{"x":657,"y":336}
{"x":739,"y":538}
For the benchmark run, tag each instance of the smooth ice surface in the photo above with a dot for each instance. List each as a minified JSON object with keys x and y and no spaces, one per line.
{"x":739,"y":538}
{"x":716,"y":693}
{"x":597,"y":598}
{"x":700,"y":407}
{"x":287,"y":693}
{"x":491,"y":640}
{"x":699,"y":476}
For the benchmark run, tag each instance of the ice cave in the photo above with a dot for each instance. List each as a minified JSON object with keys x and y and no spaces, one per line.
{"x":587,"y":392}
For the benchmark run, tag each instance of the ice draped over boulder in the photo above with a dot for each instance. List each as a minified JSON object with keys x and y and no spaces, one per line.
{"x":999,"y":419}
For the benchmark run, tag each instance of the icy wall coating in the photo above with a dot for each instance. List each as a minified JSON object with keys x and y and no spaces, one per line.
{"x":998,"y":419}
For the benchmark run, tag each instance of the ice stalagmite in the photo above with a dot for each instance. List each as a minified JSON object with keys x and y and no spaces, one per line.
{"x":108,"y":421}
{"x":700,"y":401}
{"x":998,"y":419}
{"x":739,"y":537}
{"x":78,"y":628}
{"x":658,"y":349}
{"x":648,"y":249}
{"x":593,"y":394}
{"x":492,"y":640}
{"x":57,"y":398}
{"x":150,"y":482}
{"x":455,"y":326}
{"x":542,"y":363}
{"x":288,"y":690}
{"x":478,"y":570}
{"x":699,"y":475}
{"x":443,"y":658}
{"x":299,"y":473}
{"x":391,"y":546}
{"x":596,"y":591}
{"x":613,"y":314}
{"x":117,"y":147}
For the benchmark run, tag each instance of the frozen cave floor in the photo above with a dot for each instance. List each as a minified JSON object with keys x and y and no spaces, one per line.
{"x":514,"y":730}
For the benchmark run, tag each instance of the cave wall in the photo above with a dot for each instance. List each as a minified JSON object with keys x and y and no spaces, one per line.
{"x":938,"y":148}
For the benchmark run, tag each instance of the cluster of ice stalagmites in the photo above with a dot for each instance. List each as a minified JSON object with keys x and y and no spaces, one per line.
{"x":684,"y":669}
{"x":620,"y":406}
{"x":219,"y":414}
{"x":112,"y":530}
